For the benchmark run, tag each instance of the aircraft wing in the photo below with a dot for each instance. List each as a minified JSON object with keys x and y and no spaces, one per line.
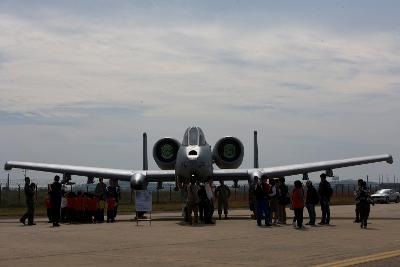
{"x":123,"y":175}
{"x":305,"y":168}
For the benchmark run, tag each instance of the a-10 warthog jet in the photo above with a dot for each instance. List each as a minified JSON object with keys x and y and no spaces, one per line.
{"x":193,"y":159}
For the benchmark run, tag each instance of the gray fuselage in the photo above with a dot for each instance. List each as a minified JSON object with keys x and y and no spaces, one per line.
{"x":194,"y":158}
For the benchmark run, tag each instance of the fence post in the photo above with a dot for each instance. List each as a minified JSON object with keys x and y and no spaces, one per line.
{"x":87,"y":188}
{"x":170,"y":192}
{"x":19,"y":194}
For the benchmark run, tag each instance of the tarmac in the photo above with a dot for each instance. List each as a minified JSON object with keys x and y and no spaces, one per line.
{"x":234,"y":242}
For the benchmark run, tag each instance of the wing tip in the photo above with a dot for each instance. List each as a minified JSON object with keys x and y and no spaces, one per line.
{"x":390,"y":159}
{"x":7,"y":166}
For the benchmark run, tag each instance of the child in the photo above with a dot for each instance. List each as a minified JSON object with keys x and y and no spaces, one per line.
{"x":110,"y":209}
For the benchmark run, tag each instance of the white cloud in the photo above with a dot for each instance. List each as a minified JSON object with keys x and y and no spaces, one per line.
{"x":287,"y":78}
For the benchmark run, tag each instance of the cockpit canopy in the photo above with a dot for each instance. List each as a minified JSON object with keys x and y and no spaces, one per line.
{"x":194,"y":136}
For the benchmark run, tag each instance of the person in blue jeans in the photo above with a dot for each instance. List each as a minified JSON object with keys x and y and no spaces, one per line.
{"x":261,"y":203}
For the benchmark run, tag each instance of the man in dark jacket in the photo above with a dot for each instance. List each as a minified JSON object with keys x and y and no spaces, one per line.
{"x":359,"y":185}
{"x":55,"y":196}
{"x":325,"y":193}
{"x":261,"y":202}
{"x":364,"y":199}
{"x":29,"y":191}
{"x":312,"y":199}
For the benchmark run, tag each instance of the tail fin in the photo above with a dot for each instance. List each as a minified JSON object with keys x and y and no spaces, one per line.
{"x":255,"y":150}
{"x":145,"y":161}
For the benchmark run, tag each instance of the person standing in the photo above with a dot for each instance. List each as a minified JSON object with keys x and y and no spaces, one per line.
{"x":193,"y":202}
{"x":30,"y":202}
{"x":210,"y":203}
{"x":364,"y":199}
{"x":359,"y":186}
{"x":273,"y":201}
{"x":183,"y":187}
{"x":55,"y":195}
{"x":284,"y":200}
{"x":312,"y":199}
{"x":252,"y":199}
{"x":261,"y":202}
{"x":27,"y":192}
{"x":222,"y":193}
{"x":100,"y":189}
{"x":113,"y":191}
{"x":298,"y":203}
{"x":325,"y":193}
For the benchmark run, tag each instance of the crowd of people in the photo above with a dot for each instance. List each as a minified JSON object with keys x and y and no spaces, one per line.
{"x":198,"y":201}
{"x":71,"y":207}
{"x":268,"y":199}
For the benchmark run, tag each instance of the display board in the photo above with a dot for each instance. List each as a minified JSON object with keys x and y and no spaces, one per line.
{"x":143,"y":200}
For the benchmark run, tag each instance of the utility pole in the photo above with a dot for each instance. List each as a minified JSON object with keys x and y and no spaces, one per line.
{"x":367,"y":179}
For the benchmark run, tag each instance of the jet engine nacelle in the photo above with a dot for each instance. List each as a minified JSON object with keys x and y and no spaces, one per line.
{"x":138,"y":181}
{"x":228,"y":153}
{"x":165,"y":151}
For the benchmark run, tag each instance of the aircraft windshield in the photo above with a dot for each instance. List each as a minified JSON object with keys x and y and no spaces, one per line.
{"x":194,"y":136}
{"x":202,"y":139}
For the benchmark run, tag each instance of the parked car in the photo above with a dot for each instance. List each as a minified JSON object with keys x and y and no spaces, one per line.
{"x":386,"y":196}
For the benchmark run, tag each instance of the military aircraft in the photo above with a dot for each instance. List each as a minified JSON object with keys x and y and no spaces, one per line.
{"x":193,"y":159}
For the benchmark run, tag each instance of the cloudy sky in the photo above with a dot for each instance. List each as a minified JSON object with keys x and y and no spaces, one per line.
{"x":80,"y":81}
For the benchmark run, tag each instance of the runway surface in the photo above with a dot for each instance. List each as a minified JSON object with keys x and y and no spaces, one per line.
{"x":234,"y":242}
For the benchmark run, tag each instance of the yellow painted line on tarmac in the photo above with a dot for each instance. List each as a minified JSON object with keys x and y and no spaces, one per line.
{"x":360,"y":260}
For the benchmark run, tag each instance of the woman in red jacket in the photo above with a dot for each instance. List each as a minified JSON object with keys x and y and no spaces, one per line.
{"x":298,"y":203}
